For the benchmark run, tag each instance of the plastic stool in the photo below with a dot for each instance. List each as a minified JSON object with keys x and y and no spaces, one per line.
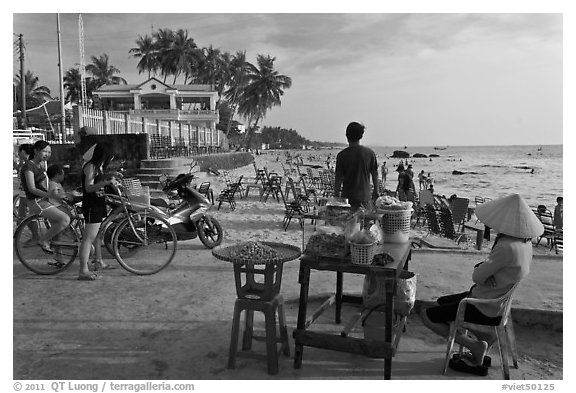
{"x":268,"y":308}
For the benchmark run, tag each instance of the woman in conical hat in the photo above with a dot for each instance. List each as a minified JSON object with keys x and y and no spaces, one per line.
{"x":506,"y":265}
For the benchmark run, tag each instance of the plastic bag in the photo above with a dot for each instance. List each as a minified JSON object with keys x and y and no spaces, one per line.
{"x":374,"y":292}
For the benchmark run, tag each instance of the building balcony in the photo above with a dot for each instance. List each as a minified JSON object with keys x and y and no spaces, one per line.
{"x":177,"y":114}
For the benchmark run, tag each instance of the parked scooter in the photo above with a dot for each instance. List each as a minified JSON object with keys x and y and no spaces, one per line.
{"x":189,"y":217}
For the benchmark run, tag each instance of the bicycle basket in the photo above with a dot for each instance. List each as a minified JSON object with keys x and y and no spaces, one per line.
{"x":137,"y":194}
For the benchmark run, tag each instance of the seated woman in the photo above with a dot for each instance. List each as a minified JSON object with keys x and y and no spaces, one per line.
{"x":507,"y":264}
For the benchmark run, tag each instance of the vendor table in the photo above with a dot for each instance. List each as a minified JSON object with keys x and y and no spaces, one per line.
{"x":401,"y":254}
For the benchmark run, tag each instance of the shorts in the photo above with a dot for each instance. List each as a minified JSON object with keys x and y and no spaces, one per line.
{"x":94,"y":214}
{"x":445,"y":311}
{"x":38,"y":205}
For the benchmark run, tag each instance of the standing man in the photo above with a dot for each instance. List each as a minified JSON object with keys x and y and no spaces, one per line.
{"x":355,"y":165}
{"x":384,"y":174}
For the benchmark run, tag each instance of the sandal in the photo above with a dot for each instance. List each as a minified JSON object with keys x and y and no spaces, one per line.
{"x":486,"y":362}
{"x":98,"y":266}
{"x":89,"y":277}
{"x":463,"y":365}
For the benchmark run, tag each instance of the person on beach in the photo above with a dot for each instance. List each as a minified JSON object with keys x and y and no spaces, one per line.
{"x":422,"y":180}
{"x":355,"y":166}
{"x":405,"y":190}
{"x":559,"y":213}
{"x":35,"y":183}
{"x":506,"y":265}
{"x":384,"y":173}
{"x":25,"y":151}
{"x":409,"y":170}
{"x":94,"y":209}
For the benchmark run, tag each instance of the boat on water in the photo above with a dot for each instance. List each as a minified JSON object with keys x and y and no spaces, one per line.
{"x":439,"y":148}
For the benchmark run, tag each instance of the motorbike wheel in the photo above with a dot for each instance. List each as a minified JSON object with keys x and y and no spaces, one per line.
{"x":210,"y":231}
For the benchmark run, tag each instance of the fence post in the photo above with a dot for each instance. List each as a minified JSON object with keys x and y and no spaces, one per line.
{"x":126,"y":123}
{"x":106,"y":122}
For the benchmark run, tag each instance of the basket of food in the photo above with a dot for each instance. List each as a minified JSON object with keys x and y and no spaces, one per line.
{"x":257,"y":253}
{"x":362,"y":247}
{"x":395,"y":220}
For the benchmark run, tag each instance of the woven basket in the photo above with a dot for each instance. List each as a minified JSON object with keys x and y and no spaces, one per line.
{"x":362,"y":254}
{"x":396,"y":225}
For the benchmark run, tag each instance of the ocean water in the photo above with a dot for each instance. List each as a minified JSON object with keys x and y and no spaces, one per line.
{"x":489,"y":171}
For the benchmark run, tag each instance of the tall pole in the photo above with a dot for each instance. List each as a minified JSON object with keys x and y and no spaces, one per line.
{"x":22,"y":84}
{"x":63,"y":121}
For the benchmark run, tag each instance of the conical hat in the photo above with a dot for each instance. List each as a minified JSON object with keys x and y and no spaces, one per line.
{"x":511,"y":216}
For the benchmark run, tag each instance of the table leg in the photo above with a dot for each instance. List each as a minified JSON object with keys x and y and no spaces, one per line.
{"x":304,"y":280}
{"x":339,"y":282}
{"x":390,"y":289}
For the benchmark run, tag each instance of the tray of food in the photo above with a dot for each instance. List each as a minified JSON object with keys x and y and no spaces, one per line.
{"x":326,"y":245}
{"x":258,"y":253}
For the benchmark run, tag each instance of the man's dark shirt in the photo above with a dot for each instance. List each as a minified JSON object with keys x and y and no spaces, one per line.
{"x":354,"y":165}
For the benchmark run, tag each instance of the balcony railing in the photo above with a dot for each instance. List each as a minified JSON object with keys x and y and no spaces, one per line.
{"x":177,"y":114}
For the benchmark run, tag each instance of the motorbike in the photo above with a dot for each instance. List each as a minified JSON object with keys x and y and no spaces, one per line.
{"x":189,"y":215}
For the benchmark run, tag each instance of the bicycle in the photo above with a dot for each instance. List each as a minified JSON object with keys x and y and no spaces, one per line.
{"x":142,"y":242}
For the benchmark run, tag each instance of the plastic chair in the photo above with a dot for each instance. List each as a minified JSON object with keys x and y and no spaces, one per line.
{"x":504,"y":330}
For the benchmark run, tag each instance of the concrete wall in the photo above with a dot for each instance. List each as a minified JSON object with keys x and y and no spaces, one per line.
{"x":224,"y":161}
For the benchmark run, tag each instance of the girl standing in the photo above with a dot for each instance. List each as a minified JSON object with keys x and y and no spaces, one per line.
{"x":94,"y":209}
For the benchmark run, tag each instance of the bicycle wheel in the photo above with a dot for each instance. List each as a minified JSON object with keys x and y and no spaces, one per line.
{"x":144,"y":244}
{"x":65,"y":246}
{"x":109,"y":228}
{"x":210,"y":231}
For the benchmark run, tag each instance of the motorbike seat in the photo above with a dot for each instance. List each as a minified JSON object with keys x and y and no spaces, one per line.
{"x":160,"y":202}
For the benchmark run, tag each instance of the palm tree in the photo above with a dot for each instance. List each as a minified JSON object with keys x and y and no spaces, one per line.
{"x":263,"y":90}
{"x":35,"y":94}
{"x":182,"y":55}
{"x":73,"y":86}
{"x":163,"y":42}
{"x":147,"y":51}
{"x":238,"y":71}
{"x":103,"y":72}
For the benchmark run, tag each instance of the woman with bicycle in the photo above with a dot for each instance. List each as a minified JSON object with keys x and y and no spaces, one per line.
{"x":93,"y":208}
{"x":35,"y":184}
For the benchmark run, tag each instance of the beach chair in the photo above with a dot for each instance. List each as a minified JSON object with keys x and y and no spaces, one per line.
{"x":230,"y":183}
{"x":559,"y":240}
{"x":205,"y":190}
{"x":227,"y":195}
{"x":292,"y":209}
{"x":447,"y":230}
{"x":425,"y":198}
{"x":432,"y":220}
{"x":459,"y":208}
{"x":273,"y":185}
{"x":547,"y":220}
{"x":504,"y":331}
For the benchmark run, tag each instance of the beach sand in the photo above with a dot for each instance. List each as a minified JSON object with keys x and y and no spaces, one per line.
{"x":176,"y":324}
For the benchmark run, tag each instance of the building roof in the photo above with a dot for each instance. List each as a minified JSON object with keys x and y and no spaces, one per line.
{"x":128,"y":87}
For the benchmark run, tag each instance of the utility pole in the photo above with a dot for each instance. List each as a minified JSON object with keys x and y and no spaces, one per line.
{"x":61,"y":82}
{"x":22,"y":84}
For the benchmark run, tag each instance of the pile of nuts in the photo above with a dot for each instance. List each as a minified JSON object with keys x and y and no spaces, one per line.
{"x":254,"y":251}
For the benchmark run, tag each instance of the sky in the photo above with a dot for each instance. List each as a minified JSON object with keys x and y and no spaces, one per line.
{"x":414,"y":79}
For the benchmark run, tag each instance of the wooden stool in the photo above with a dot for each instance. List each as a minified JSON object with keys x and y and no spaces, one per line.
{"x":268,"y":308}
